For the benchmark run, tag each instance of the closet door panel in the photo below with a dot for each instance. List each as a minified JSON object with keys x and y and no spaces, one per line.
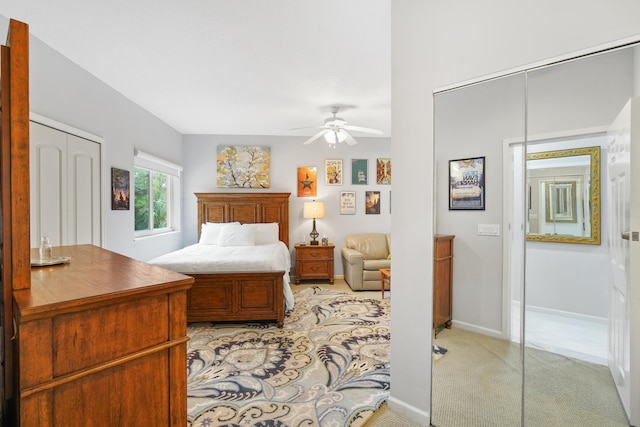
{"x":84,"y":191}
{"x":48,"y":164}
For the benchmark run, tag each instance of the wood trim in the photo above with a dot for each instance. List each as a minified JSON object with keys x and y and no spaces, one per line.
{"x":14,"y":168}
{"x":18,"y":41}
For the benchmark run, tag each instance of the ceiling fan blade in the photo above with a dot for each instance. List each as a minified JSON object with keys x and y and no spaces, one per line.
{"x":349,"y":139}
{"x":361,"y":129}
{"x":316,"y":136}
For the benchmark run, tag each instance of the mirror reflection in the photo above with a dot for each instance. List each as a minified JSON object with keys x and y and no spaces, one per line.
{"x":535,"y":326}
{"x":563,"y":196}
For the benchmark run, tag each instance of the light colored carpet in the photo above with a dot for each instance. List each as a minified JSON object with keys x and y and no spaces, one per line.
{"x":328,"y":366}
{"x":479,"y":383}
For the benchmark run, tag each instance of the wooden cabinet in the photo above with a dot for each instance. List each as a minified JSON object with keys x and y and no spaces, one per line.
{"x":314,"y":262}
{"x":100,"y":341}
{"x":442,"y":281}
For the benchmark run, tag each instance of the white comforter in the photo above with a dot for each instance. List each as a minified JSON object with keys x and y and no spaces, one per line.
{"x":201,"y":258}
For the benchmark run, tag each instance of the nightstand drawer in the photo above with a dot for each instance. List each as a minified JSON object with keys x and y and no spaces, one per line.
{"x":314,"y":269}
{"x":315,"y":252}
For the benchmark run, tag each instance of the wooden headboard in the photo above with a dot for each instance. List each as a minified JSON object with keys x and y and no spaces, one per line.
{"x":246,"y":208}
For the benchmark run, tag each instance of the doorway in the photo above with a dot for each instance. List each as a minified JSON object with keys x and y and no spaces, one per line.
{"x":553,"y":322}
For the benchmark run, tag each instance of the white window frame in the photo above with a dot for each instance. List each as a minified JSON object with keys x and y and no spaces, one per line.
{"x":173,"y":172}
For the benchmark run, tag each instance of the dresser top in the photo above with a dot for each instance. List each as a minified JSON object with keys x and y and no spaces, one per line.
{"x":94,"y":276}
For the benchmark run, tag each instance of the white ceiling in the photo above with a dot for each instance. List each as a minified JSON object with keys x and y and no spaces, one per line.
{"x":243,"y":67}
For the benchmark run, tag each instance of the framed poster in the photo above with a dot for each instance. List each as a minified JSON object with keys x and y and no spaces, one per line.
{"x":466,"y":184}
{"x":243,"y":166}
{"x":359,"y":171}
{"x":383,"y":171}
{"x":372,"y":202}
{"x":307,"y":182}
{"x":333,"y":172}
{"x":119,"y":189}
{"x":347,"y":203}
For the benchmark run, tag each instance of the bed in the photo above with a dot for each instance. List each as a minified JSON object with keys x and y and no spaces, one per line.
{"x":246,"y":283}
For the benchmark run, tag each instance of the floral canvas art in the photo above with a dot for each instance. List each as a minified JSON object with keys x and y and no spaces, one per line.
{"x":240,"y":166}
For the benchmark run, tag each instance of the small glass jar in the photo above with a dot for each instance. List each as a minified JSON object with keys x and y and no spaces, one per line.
{"x":325,"y":241}
{"x":46,"y":252}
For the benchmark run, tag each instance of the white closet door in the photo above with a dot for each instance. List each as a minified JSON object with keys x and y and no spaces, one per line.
{"x":65,"y":188}
{"x":83,"y":191}
{"x":48,"y":182}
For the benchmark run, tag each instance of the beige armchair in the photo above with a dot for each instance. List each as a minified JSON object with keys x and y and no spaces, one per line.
{"x":362,"y":258}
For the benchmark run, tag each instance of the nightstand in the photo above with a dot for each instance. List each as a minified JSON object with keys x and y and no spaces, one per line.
{"x":314,"y":262}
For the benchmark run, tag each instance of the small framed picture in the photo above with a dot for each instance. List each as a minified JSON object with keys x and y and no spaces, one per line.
{"x":120,"y":189}
{"x":359,"y":171}
{"x":333,"y":172}
{"x":307,"y":182}
{"x":347,"y":203}
{"x":466,"y":184}
{"x":372,"y":202}
{"x":383,"y":171}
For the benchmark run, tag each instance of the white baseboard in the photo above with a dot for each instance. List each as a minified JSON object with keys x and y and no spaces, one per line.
{"x":570,"y":314}
{"x":477,"y":329}
{"x":409,"y":411}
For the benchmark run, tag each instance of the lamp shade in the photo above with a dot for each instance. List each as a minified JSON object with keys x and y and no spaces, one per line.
{"x":313,"y":210}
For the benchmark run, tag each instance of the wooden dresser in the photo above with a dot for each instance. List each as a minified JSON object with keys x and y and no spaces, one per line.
{"x":314,"y":262}
{"x":101,"y":341}
{"x":442,"y":282}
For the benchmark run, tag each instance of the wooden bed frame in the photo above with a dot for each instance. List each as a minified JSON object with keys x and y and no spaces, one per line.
{"x":240,"y":296}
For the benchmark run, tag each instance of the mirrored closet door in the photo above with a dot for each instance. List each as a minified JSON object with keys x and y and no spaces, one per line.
{"x":533,"y":179}
{"x":478,"y":381}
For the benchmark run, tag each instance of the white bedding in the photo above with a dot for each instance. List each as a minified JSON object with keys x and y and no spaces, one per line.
{"x":201,"y":258}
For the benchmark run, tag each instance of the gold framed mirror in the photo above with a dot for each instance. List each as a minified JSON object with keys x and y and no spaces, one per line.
{"x":563,"y":196}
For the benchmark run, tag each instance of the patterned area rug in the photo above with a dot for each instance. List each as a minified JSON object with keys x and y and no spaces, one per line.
{"x":328,"y":366}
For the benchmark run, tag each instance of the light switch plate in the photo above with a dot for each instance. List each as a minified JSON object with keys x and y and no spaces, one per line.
{"x":488,"y":229}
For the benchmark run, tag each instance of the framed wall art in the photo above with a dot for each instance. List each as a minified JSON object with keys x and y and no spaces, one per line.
{"x":120,"y":196}
{"x":383,"y":171}
{"x":307,"y":182}
{"x":333,"y":172}
{"x":466,"y":184}
{"x":372,"y":202}
{"x":359,"y":171}
{"x":347,"y":203}
{"x":243,"y":166}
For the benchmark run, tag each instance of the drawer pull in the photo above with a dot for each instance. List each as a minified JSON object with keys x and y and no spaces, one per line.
{"x":315,"y":268}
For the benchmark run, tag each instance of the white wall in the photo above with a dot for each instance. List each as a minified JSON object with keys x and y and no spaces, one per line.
{"x":474,"y":122}
{"x":62,"y":91}
{"x":435,"y":44}
{"x":287,"y":154}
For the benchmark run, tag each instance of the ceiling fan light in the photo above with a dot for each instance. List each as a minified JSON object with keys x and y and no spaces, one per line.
{"x":335,"y":136}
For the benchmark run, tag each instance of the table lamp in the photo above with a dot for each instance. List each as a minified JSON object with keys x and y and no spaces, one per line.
{"x":314,"y":210}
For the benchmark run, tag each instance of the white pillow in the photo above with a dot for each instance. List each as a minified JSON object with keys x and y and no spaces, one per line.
{"x":211,"y":230}
{"x":265,"y":232}
{"x":237,"y":235}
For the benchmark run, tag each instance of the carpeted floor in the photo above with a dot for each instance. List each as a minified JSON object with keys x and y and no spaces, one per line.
{"x":328,"y":366}
{"x":479,"y":383}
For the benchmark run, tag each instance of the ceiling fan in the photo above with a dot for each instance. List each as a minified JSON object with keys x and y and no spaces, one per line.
{"x":335,"y":130}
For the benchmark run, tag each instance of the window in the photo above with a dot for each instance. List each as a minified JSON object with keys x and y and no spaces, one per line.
{"x":156,"y":195}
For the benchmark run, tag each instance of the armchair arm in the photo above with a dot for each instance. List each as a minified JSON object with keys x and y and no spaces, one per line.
{"x":353,"y":265}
